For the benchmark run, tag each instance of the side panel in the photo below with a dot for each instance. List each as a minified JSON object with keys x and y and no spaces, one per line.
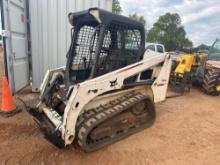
{"x":50,"y":32}
{"x":15,"y":37}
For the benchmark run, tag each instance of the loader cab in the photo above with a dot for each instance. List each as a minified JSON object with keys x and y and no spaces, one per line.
{"x":214,"y":52}
{"x":102,"y":42}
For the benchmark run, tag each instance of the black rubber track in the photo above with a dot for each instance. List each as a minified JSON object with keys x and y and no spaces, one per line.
{"x":92,"y":118}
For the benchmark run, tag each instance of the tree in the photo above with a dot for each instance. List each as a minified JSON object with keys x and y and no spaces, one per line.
{"x":116,"y":8}
{"x":169,"y":31}
{"x":138,"y":18}
{"x":203,"y":47}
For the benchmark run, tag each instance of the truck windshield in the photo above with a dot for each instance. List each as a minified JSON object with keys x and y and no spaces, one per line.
{"x":214,"y":53}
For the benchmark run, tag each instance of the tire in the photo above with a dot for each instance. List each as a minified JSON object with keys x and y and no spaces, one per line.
{"x":210,"y":81}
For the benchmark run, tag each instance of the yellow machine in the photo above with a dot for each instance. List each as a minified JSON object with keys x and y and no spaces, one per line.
{"x":186,"y":63}
{"x":202,"y":68}
{"x":184,"y":70}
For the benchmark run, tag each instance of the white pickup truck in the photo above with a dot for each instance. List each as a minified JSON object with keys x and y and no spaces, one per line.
{"x":159,"y":48}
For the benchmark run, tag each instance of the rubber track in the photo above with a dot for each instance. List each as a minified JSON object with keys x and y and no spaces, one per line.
{"x":93,"y":117}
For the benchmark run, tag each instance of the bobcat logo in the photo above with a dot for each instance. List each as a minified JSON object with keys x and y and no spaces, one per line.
{"x":113,"y":83}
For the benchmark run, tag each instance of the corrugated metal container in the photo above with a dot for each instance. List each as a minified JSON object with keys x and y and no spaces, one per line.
{"x":50,"y":32}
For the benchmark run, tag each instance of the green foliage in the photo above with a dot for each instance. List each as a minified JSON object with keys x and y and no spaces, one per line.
{"x":202,"y":47}
{"x":137,"y":18}
{"x":116,"y":8}
{"x":169,"y":31}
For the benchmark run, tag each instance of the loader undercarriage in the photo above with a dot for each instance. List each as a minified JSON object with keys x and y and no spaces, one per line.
{"x":115,"y":120}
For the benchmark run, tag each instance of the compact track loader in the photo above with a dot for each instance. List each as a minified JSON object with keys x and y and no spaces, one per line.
{"x":109,"y":86}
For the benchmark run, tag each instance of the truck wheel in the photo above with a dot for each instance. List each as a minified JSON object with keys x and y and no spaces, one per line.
{"x":210,"y":81}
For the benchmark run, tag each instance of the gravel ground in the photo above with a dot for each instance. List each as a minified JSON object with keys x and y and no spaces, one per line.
{"x":186,"y":131}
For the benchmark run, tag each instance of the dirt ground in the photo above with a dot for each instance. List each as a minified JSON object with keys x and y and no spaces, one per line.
{"x":186,"y":131}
